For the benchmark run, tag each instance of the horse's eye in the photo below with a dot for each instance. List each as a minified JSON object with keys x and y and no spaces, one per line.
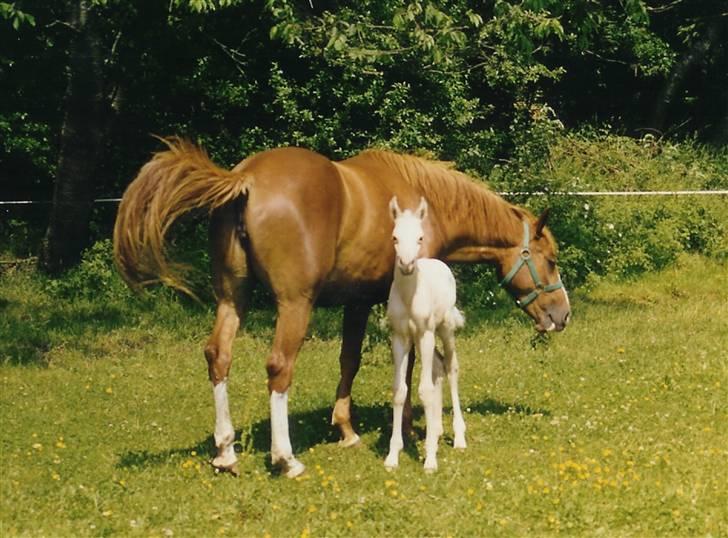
{"x":394,"y":240}
{"x":420,"y":239}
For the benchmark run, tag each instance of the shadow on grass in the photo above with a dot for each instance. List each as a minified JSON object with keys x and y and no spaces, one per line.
{"x":312,"y":428}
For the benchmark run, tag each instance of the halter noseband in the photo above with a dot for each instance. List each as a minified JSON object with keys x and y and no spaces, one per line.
{"x":525,"y":259}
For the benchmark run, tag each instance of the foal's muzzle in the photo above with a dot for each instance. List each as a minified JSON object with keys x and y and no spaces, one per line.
{"x":406,"y":268}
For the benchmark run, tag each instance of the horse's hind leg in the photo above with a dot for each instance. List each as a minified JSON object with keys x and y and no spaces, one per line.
{"x":355,"y":324}
{"x":291,"y":325}
{"x":218,"y":353}
{"x":232,"y":286}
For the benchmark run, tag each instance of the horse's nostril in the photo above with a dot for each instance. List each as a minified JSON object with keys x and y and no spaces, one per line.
{"x":566,"y":318}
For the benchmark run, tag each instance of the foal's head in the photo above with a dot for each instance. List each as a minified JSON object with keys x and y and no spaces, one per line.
{"x":528,"y":270}
{"x":408,"y":234}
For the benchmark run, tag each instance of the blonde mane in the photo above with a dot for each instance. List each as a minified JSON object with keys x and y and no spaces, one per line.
{"x":456,"y":196}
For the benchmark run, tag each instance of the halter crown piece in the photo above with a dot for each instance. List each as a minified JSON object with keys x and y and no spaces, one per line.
{"x":525,"y":259}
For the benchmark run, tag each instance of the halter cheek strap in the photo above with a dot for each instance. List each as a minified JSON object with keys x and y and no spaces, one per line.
{"x":525,"y":259}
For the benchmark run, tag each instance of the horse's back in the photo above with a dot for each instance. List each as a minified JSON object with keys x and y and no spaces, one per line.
{"x":292,"y":218}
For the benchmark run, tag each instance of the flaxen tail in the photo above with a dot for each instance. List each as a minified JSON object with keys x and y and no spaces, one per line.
{"x":174,"y":182}
{"x":457,"y":318}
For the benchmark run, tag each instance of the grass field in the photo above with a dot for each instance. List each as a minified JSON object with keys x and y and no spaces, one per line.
{"x":616,"y":427}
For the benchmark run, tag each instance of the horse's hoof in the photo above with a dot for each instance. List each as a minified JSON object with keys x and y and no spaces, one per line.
{"x":460,"y":444}
{"x":390,"y":464}
{"x":349,"y":442}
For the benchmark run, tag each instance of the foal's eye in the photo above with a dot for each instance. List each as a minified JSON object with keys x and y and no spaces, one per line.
{"x":420,"y":239}
{"x":394,"y":240}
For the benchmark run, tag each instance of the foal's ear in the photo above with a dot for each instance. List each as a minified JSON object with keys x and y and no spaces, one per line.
{"x":422,"y":208}
{"x":541,"y":222}
{"x":394,"y":210}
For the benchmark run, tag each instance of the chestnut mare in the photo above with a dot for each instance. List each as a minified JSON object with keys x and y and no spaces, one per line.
{"x":318,"y":232}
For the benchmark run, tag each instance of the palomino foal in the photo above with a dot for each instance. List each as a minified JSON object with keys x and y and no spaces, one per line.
{"x":422,"y":304}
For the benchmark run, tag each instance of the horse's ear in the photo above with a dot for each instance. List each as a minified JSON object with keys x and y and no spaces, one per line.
{"x":541,"y":222}
{"x":394,"y":210}
{"x":422,"y":208}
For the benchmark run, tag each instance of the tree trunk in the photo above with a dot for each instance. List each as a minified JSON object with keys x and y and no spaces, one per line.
{"x":80,"y":144}
{"x":682,"y":68}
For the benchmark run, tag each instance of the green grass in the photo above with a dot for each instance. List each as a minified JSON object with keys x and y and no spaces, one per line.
{"x":615,"y":427}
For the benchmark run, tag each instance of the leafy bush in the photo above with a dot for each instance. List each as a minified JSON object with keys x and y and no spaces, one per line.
{"x":94,"y":278}
{"x":624,"y":236}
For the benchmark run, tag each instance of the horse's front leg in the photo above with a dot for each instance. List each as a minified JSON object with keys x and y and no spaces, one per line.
{"x":428,"y":395}
{"x":400,"y":352}
{"x":291,"y":327}
{"x":354,"y":327}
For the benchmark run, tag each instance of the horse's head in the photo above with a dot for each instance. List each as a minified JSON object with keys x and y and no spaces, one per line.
{"x":407,"y":235}
{"x":529,"y":272}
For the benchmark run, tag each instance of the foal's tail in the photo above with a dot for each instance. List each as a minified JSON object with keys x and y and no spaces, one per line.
{"x":457,"y":319}
{"x":174,"y":182}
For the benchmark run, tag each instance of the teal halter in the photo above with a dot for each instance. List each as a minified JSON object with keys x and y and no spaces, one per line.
{"x":525,"y":259}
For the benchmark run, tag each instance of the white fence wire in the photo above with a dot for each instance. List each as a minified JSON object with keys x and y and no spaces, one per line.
{"x":504,"y":193}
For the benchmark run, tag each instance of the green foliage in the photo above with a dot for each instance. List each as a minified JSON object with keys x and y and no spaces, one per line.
{"x":17,"y":18}
{"x":624,"y":236}
{"x":94,"y":278}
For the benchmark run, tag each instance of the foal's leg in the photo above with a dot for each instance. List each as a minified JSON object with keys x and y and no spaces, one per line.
{"x":293,"y":317}
{"x":451,"y":366}
{"x":407,"y":416}
{"x":427,"y":391}
{"x":355,"y":324}
{"x":400,"y":351}
{"x":438,"y":374}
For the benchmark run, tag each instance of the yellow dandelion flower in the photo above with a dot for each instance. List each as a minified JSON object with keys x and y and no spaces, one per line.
{"x":390,"y":483}
{"x":55,"y":476}
{"x":106,"y":513}
{"x":109,"y":390}
{"x":312,"y":509}
{"x":37,"y":446}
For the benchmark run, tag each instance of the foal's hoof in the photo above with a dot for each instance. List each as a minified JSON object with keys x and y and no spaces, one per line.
{"x":350,"y":441}
{"x":226,"y":465}
{"x":430,"y":467}
{"x":232,"y":469}
{"x":460,"y":444}
{"x":290,"y":467}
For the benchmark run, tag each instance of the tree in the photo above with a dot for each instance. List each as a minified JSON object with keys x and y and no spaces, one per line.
{"x":80,"y":144}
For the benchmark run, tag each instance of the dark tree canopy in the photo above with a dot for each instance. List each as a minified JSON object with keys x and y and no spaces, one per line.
{"x":462,"y":80}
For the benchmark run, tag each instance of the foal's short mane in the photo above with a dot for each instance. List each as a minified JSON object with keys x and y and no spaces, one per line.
{"x":456,"y":196}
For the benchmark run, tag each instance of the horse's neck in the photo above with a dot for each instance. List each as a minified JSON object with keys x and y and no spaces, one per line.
{"x":481,"y":230}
